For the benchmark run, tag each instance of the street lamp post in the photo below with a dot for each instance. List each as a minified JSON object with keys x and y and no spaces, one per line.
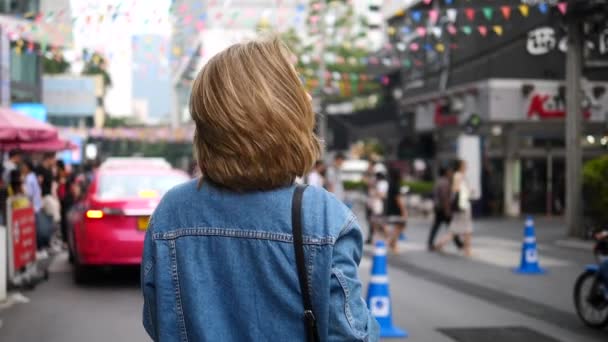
{"x":574,"y":62}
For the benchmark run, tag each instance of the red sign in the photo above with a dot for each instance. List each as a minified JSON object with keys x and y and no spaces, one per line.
{"x":23,"y":230}
{"x":550,"y":107}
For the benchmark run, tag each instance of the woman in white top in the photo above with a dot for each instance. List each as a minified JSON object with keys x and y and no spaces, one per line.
{"x":462,"y":219}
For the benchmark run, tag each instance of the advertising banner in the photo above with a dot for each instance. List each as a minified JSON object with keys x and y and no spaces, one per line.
{"x":21,"y":223}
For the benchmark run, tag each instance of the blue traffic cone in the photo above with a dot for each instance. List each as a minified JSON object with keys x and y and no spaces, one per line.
{"x":529,"y":253}
{"x":378,"y":295}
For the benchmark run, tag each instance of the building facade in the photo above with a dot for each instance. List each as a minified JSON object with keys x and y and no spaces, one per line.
{"x":495,"y":71}
{"x":20,"y":45}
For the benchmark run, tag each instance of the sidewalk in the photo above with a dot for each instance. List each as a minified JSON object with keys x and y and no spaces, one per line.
{"x":488,"y":275}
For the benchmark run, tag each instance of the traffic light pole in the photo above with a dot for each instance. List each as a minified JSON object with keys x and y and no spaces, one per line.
{"x":573,"y":129}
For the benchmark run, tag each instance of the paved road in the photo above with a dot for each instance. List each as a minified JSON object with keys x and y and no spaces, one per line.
{"x":433,"y":296}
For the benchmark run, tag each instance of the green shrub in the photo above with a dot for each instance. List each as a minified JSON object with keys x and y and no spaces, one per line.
{"x":355,"y":185}
{"x":415,"y":187}
{"x":595,"y":186}
{"x":419,"y":187}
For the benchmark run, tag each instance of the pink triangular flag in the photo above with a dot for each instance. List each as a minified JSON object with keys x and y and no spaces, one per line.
{"x":433,"y":16}
{"x":563,"y":7}
{"x":483,"y":30}
{"x":452,"y":29}
{"x":428,"y":1}
{"x":421,"y":31}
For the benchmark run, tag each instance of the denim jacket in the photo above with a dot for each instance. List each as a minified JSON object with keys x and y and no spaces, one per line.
{"x":220,"y":266}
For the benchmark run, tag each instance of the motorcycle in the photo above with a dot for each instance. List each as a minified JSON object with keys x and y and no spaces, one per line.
{"x":590,"y":292}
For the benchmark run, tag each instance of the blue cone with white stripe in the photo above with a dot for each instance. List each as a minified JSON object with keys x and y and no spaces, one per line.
{"x":378,"y":295}
{"x":529,"y":253}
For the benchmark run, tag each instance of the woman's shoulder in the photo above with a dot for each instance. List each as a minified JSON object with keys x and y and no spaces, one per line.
{"x":325,"y":213}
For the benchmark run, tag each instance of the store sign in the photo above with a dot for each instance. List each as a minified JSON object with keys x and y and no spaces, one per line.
{"x":541,"y":41}
{"x":544,"y":40}
{"x":547,"y":106}
{"x":22,"y":238}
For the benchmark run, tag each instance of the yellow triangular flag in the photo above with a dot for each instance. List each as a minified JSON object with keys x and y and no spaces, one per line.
{"x":524,"y":9}
{"x":440,"y":47}
{"x":498,"y":30}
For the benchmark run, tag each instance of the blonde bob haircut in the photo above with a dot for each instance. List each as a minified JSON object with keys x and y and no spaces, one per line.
{"x":254,"y":120}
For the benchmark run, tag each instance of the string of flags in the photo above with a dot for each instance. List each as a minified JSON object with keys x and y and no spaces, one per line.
{"x":487,"y":12}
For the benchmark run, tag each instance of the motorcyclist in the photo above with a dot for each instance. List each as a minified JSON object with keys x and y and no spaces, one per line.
{"x":603,"y":238}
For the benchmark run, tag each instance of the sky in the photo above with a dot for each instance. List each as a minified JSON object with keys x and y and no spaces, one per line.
{"x":95,"y":28}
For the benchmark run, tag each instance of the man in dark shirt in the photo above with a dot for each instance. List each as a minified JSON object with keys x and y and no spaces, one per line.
{"x":45,"y":174}
{"x":442,"y":194}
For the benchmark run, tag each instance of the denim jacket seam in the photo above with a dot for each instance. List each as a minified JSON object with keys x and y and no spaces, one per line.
{"x":349,"y":317}
{"x":311,"y":256}
{"x":348,"y":224}
{"x":179,"y":308}
{"x":240,"y":233}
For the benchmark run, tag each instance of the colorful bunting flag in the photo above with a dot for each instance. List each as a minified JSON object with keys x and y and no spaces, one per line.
{"x":467,"y":30}
{"x":428,"y":2}
{"x":470,"y":13}
{"x":483,"y":30}
{"x":433,"y":16}
{"x":416,"y":16}
{"x":440,"y":47}
{"x":421,"y":31}
{"x":498,"y":30}
{"x":452,"y":29}
{"x":506,"y":12}
{"x":542,"y":7}
{"x":524,"y":10}
{"x":452,"y":14}
{"x":449,"y":2}
{"x":488,"y":12}
{"x":414,"y":46}
{"x":562,"y":7}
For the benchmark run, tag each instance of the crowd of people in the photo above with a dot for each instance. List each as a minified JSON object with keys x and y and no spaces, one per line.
{"x":50,"y":187}
{"x":386,"y":207}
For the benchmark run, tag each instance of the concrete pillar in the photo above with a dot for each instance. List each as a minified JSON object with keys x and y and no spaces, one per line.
{"x":512,"y":175}
{"x":574,"y":161}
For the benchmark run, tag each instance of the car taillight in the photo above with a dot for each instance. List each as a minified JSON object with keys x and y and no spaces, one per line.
{"x":100,"y":213}
{"x":94,"y":214}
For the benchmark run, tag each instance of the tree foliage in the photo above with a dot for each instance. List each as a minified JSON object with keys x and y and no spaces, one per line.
{"x":595,"y":183}
{"x":335,"y":33}
{"x":54,"y":63}
{"x":96,"y":64}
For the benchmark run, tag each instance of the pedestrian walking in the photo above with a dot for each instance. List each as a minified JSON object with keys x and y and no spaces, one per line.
{"x":442,"y":196}
{"x":242,"y":253}
{"x":12,"y":163}
{"x":396,"y":210}
{"x":377,"y":203}
{"x":462,"y":219}
{"x":315,"y":177}
{"x":335,"y":183}
{"x":32,"y":190}
{"x":369,"y":179}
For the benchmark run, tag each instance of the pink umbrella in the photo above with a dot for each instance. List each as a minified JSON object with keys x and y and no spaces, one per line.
{"x":52,"y":145}
{"x":16,"y":128}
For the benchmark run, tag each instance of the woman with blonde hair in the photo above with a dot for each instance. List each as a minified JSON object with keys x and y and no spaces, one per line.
{"x":242,"y":253}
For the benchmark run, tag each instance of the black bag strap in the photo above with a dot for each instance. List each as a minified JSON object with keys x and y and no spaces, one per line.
{"x":296,"y":226}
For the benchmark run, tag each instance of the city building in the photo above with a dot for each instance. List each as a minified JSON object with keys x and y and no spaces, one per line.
{"x":201,"y":29}
{"x":21,"y":46}
{"x":74,"y":100}
{"x":151,"y":89}
{"x":495,"y":72}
